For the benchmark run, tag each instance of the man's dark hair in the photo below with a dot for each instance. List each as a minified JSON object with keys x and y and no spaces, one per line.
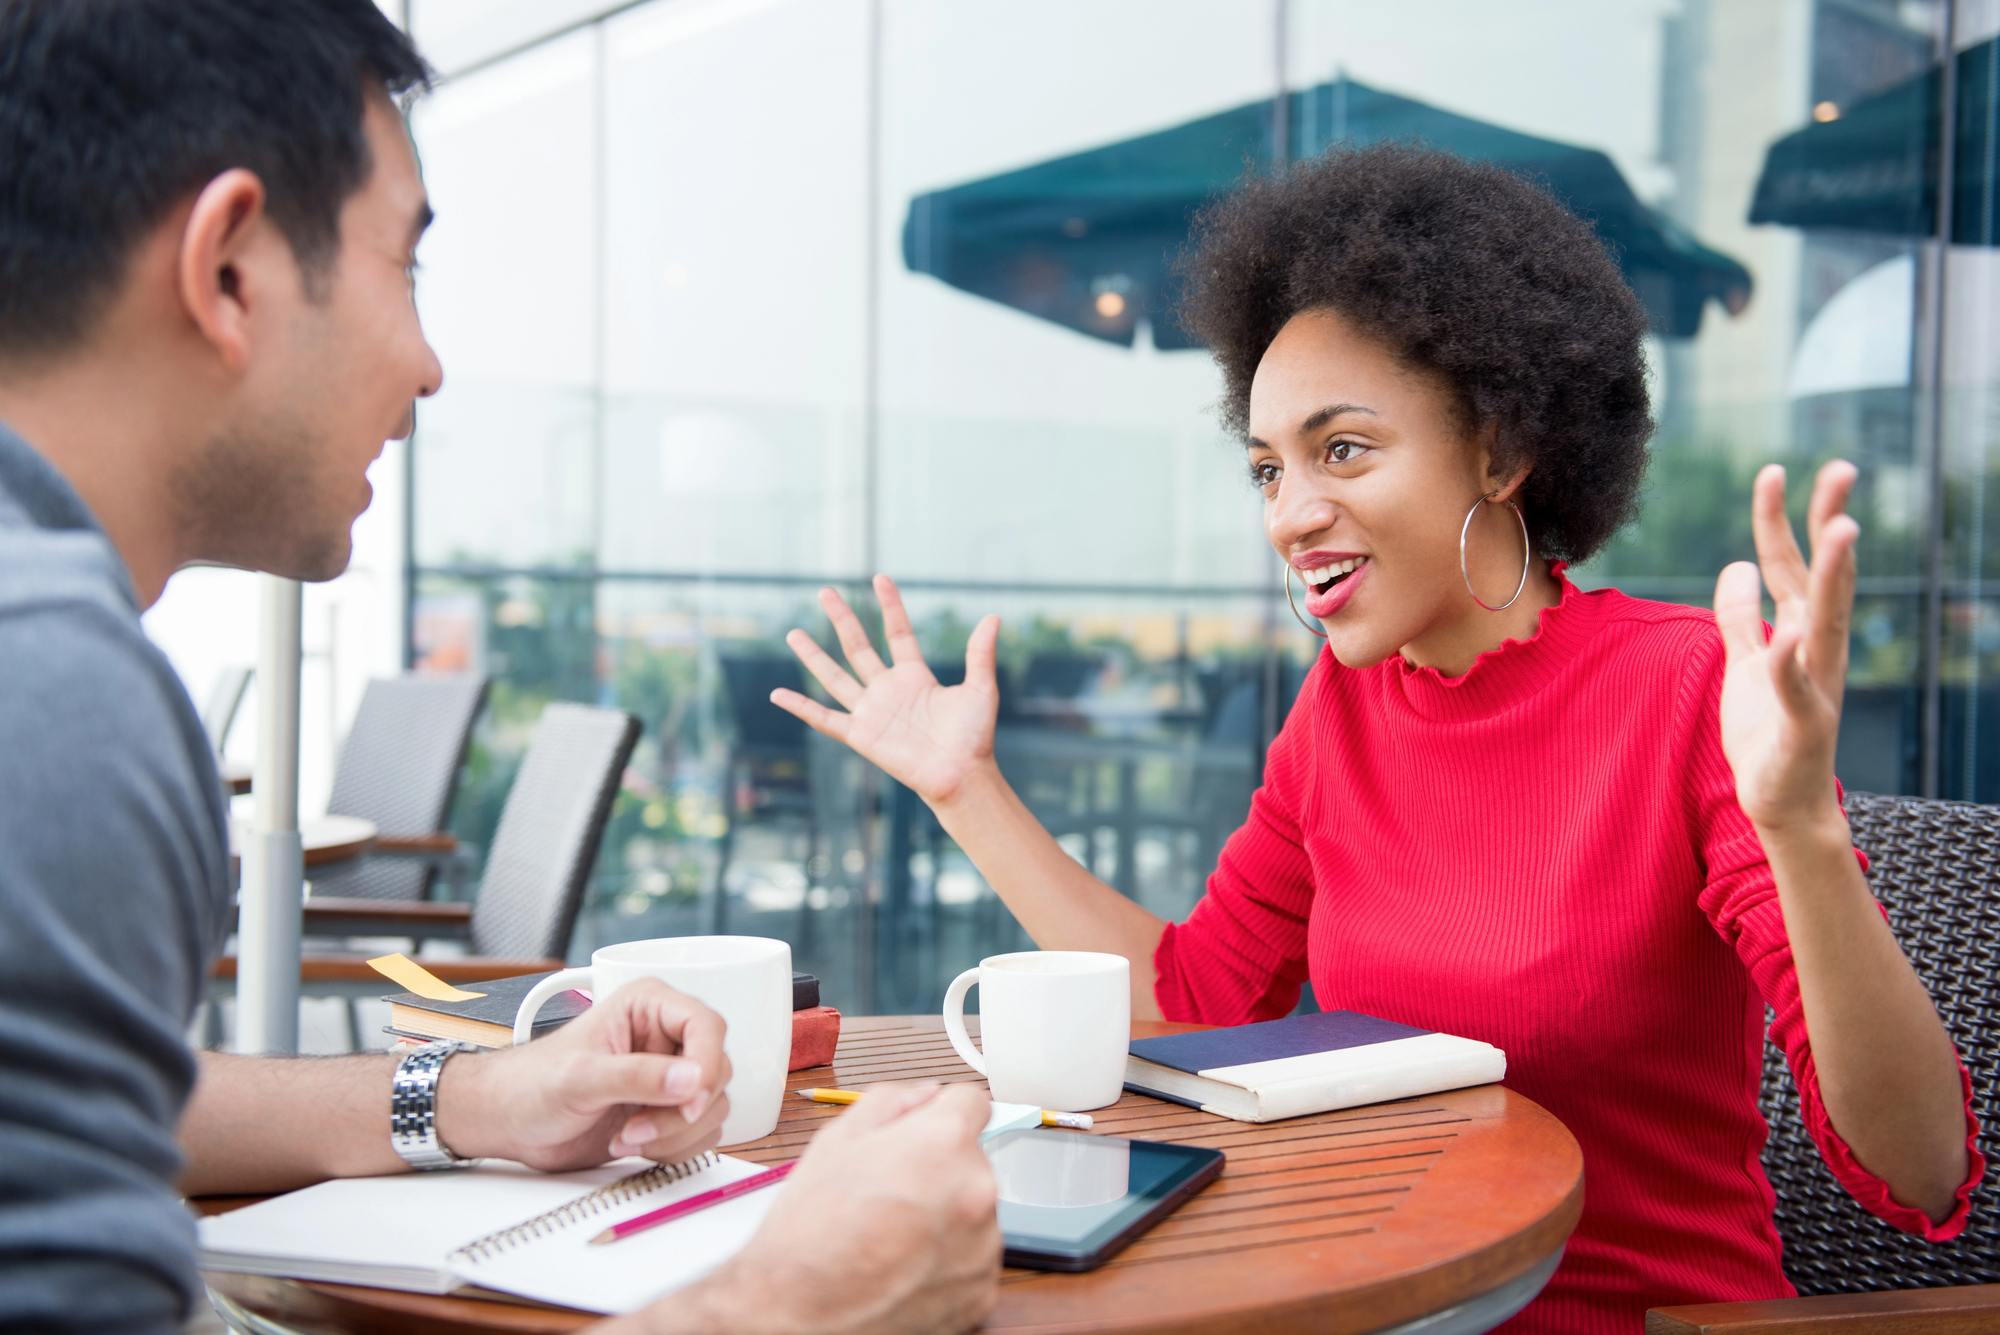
{"x":114,"y":111}
{"x":1464,"y":271}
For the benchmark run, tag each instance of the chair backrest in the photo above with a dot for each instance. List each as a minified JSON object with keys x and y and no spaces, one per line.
{"x":1936,"y":868}
{"x":218,"y":716}
{"x":546,"y":842}
{"x":399,"y":769}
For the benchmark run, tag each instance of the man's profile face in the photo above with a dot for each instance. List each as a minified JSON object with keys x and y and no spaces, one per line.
{"x":279,"y":488}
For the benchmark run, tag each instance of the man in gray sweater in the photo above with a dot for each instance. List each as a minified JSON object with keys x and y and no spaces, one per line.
{"x":208,"y":217}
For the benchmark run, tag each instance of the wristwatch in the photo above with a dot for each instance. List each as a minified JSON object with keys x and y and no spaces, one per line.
{"x":413,"y":1108}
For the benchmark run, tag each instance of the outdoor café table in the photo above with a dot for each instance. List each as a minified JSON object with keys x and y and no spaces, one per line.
{"x":1449,"y":1211}
{"x":326,"y":838}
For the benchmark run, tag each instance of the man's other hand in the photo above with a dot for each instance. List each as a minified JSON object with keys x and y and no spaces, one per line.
{"x":888,"y":1226}
{"x":640,"y":1072}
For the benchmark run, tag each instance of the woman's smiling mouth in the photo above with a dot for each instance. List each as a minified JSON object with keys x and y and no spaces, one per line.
{"x":1330,"y":581}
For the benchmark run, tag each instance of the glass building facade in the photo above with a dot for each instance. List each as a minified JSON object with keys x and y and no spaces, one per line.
{"x":738,"y":298}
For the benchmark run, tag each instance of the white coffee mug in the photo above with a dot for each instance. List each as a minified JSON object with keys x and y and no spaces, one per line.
{"x":747,"y":980}
{"x":1055,"y":1024}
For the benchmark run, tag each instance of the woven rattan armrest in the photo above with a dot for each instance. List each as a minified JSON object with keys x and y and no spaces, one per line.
{"x":1973,"y":1309}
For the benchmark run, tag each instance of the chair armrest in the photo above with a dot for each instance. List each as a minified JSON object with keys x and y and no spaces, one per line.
{"x":333,"y":916}
{"x":471,"y":969}
{"x":1954,"y":1311}
{"x":416,"y":843}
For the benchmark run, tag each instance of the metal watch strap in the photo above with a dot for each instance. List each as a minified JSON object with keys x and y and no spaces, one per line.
{"x":413,"y":1108}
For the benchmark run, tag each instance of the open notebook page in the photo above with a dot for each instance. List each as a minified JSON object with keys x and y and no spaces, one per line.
{"x":561,"y":1266}
{"x":395,"y":1232}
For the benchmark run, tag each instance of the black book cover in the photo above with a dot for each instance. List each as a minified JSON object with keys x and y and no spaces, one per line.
{"x":503,"y":999}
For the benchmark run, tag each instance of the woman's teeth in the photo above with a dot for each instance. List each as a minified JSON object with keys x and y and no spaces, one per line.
{"x":1322,"y":576}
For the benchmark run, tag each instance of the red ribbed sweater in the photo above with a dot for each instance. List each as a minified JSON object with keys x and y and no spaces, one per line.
{"x":1546,"y":854}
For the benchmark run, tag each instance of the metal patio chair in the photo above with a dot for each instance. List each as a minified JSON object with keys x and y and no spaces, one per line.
{"x":1935,"y":866}
{"x":399,"y":769}
{"x":544,"y":850}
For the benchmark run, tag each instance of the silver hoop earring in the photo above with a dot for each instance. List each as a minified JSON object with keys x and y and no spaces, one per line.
{"x":1294,"y":606}
{"x":1527,"y":554}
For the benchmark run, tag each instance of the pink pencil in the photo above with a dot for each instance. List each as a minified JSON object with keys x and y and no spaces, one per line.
{"x":666,"y":1214}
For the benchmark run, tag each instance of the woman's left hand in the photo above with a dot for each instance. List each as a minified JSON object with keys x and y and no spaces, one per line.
{"x":1781,"y":700}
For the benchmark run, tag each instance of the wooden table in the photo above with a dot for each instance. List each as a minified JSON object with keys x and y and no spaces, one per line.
{"x":1454,"y":1207}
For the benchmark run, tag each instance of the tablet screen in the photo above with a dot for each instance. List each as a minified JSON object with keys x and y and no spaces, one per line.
{"x":1071,"y":1195}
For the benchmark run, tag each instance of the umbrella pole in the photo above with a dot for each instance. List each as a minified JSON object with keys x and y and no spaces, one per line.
{"x":267,"y":980}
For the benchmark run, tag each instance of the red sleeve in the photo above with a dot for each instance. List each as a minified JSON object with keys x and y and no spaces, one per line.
{"x":1241,"y":955}
{"x":1741,"y":900}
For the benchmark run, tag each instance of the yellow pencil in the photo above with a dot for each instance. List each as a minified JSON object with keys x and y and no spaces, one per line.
{"x":1068,"y":1121}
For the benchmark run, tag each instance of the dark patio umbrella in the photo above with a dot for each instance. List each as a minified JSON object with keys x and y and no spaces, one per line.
{"x":1087,"y":241}
{"x":1875,"y":168}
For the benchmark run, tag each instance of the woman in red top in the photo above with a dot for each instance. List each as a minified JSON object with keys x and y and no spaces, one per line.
{"x":1589,"y":830}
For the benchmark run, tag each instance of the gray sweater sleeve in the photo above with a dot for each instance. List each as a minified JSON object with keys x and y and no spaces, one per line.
{"x":113,"y":889}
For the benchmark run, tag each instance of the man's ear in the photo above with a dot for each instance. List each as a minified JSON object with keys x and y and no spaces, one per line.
{"x":1502,"y":488}
{"x":214,"y":245}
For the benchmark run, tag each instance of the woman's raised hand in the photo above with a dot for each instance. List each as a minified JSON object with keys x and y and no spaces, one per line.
{"x":1781,"y":700}
{"x":927,"y":736}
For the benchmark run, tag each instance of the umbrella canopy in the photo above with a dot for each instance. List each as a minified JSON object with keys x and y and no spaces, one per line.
{"x":1874,"y":168}
{"x":1088,"y":241}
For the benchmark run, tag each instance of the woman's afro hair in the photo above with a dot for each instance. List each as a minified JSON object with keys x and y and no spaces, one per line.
{"x":1465,"y":271}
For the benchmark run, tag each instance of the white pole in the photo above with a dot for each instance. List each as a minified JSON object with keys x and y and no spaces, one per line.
{"x":267,"y":939}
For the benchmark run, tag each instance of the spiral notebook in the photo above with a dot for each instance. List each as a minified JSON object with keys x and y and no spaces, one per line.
{"x":498,"y":1226}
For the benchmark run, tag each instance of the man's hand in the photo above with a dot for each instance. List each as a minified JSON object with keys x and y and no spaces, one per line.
{"x":1781,"y":700}
{"x":640,"y":1072}
{"x":888,"y":1226}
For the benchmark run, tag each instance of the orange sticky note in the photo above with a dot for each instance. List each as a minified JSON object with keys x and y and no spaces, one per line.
{"x":414,"y":977}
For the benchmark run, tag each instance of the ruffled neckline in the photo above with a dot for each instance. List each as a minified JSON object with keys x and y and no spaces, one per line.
{"x":1508,"y":674}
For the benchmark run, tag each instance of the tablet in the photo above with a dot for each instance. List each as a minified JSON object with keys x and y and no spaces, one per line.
{"x":1070,"y":1201}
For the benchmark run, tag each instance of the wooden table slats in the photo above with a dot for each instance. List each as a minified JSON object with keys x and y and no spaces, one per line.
{"x":1341,"y":1223}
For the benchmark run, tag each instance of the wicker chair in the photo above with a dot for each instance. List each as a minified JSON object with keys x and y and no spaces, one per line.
{"x":399,"y":769}
{"x":1935,"y":866}
{"x":543,"y":852}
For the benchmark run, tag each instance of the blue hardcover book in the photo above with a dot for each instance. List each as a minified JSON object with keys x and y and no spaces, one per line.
{"x":1307,"y":1064}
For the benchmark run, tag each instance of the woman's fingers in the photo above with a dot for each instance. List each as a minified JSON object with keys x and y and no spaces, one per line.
{"x":979,"y":652}
{"x":854,"y":640}
{"x":1830,"y":603}
{"x":817,"y":716}
{"x":828,"y":673}
{"x":1739,"y":610}
{"x":1795,"y":690}
{"x":1778,"y":552}
{"x":1830,"y":493}
{"x":903,"y":646}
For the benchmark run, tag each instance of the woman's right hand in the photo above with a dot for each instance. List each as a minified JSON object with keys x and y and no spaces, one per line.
{"x":930,"y":738}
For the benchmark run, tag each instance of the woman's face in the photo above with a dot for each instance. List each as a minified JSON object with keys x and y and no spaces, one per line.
{"x":1364,"y":468}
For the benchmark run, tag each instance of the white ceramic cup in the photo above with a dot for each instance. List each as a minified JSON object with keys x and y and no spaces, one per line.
{"x":1055,"y":1024}
{"x":747,"y":980}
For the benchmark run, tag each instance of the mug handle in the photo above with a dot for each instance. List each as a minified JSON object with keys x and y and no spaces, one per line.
{"x":560,"y":981}
{"x":954,"y":1020}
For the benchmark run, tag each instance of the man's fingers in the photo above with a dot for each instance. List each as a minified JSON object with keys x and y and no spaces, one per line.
{"x":884,"y":1104}
{"x":903,"y":646}
{"x":1739,"y":610}
{"x":854,"y":642}
{"x":817,"y":716}
{"x":1778,"y":554}
{"x":966,"y":1108}
{"x":980,"y":651}
{"x":648,"y":1018}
